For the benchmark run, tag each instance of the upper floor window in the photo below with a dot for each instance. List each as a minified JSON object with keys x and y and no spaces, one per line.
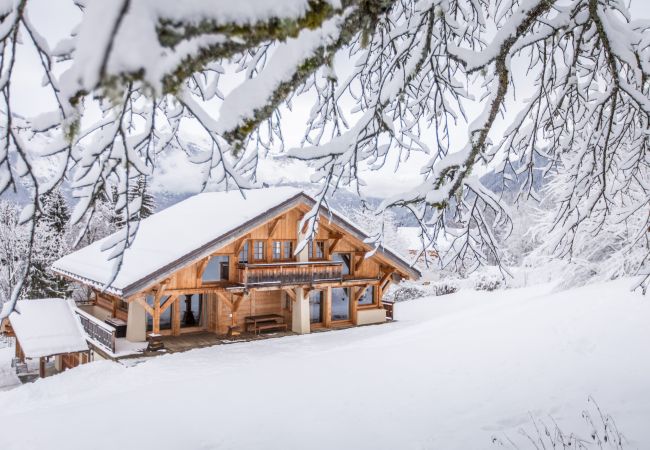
{"x":217,"y":269}
{"x":287,"y":250}
{"x":345,"y":259}
{"x":258,"y":250}
{"x":282,"y":250}
{"x":316,"y":249}
{"x":276,"y":250}
{"x":243,"y":254}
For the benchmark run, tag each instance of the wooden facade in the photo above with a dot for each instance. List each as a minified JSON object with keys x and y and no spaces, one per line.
{"x":258,"y":273}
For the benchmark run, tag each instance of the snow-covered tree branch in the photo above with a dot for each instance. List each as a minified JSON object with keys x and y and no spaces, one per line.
{"x":388,"y":79}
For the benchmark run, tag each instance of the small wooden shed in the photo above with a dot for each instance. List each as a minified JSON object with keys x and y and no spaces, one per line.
{"x":46,"y":331}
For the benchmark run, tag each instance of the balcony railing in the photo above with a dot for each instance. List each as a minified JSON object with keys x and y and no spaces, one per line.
{"x":100,"y":332}
{"x":289,"y":273}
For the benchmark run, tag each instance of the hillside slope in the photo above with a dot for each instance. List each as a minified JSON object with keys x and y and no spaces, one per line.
{"x":451,"y":373}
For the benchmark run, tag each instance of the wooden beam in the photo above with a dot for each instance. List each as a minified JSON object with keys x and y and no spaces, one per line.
{"x":156,"y":307}
{"x":359,"y":292}
{"x":142,"y":302}
{"x":222,"y":296}
{"x":212,"y":288}
{"x":357,"y":261}
{"x":291,"y":293}
{"x":171,"y":300}
{"x":385,"y":277}
{"x":240,"y":243}
{"x":201,"y":267}
{"x":337,"y":238}
{"x":235,"y":307}
{"x":327,"y":307}
{"x":273,"y":225}
{"x":176,"y":317}
{"x":355,"y":302}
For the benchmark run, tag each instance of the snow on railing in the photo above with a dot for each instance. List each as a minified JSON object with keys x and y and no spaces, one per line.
{"x":100,"y":332}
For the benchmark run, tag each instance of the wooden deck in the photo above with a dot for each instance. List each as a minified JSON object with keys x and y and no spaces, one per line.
{"x":184,"y":342}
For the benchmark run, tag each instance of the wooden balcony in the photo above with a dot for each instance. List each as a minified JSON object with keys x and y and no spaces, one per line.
{"x":289,"y":273}
{"x":98,"y":331}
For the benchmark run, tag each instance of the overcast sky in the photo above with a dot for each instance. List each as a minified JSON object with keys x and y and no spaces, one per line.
{"x":54,"y":19}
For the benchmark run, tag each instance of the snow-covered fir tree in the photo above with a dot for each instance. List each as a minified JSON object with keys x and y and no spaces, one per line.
{"x":52,"y":241}
{"x":141,"y":191}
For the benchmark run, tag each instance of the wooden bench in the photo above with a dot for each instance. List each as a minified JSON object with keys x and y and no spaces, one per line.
{"x":268,"y":321}
{"x":277,"y":326}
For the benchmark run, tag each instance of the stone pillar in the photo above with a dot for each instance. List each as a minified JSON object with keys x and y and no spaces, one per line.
{"x":303,"y":256}
{"x":300,"y":313}
{"x":136,"y":326}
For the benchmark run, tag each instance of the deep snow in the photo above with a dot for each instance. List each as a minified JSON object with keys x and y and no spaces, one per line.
{"x":450,"y":374}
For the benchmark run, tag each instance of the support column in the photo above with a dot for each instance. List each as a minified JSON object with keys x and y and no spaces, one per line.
{"x":176,"y":317}
{"x":136,"y":325}
{"x":327,"y":307}
{"x":354,"y":302}
{"x":300,"y":313}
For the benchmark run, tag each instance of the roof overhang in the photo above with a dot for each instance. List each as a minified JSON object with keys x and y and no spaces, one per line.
{"x":236,"y":233}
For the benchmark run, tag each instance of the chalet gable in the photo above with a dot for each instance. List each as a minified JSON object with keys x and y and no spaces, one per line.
{"x":189,"y":232}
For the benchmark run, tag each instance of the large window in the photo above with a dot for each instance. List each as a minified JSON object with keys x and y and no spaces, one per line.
{"x":258,"y":250}
{"x":368,"y":297}
{"x":191,"y":310}
{"x":217,"y":269}
{"x":243,"y":254}
{"x":165,"y":317}
{"x":340,"y":304}
{"x":316,"y":300}
{"x":345,"y":259}
{"x":316,"y":250}
{"x":282,"y":250}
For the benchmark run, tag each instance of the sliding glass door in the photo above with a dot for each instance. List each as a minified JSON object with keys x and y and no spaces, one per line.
{"x":340,"y":304}
{"x":316,"y":303}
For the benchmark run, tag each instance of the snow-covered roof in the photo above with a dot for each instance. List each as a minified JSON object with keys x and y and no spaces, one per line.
{"x":47,"y":327}
{"x":184,"y":232}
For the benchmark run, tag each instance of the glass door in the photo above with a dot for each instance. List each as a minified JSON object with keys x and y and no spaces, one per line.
{"x":340,"y":304}
{"x":316,"y":302}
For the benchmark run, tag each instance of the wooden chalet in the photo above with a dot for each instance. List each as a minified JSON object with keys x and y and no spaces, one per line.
{"x":224,"y":264}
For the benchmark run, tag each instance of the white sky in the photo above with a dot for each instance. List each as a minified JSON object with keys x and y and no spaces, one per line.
{"x":54,"y":17}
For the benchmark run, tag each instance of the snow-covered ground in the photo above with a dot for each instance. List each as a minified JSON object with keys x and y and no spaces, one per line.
{"x":8,"y":377}
{"x":453,"y":372}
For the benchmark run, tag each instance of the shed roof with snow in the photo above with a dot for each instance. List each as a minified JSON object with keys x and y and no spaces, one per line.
{"x":46,"y":327}
{"x":189,"y":230}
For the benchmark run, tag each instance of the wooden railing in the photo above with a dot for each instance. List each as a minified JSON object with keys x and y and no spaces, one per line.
{"x":100,"y":332}
{"x":289,"y":273}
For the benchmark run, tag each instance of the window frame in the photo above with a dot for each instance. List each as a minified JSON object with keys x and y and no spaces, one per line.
{"x":288,"y":256}
{"x":373,"y":289}
{"x":276,"y":245}
{"x":262,"y":247}
{"x":313,"y":244}
{"x":244,"y":252}
{"x":282,"y":253}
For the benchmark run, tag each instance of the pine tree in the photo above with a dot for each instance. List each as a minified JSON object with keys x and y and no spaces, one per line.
{"x":51,"y":242}
{"x":56,"y":213}
{"x":141,"y":189}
